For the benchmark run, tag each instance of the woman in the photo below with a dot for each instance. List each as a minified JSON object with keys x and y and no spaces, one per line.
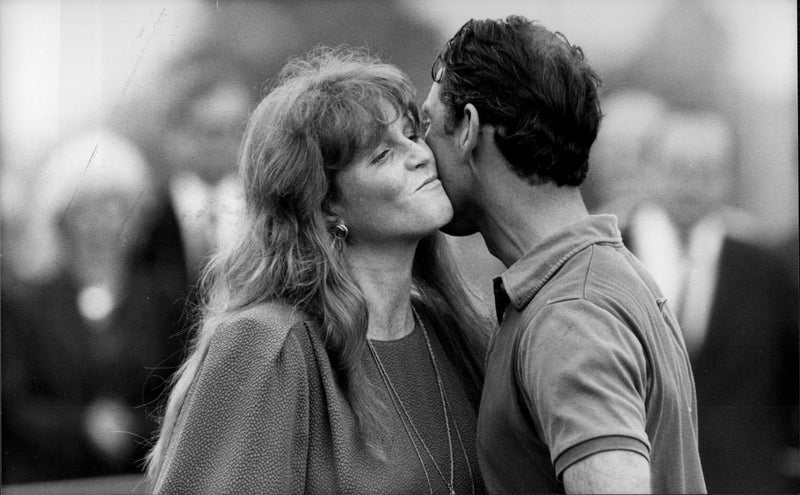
{"x":338,"y":350}
{"x":87,"y":315}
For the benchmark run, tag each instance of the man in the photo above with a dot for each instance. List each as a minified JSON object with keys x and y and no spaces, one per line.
{"x":588,"y":386}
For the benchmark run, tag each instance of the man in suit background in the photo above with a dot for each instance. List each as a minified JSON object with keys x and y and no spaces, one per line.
{"x":667,"y":174}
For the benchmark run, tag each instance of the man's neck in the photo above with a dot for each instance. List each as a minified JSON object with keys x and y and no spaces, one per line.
{"x":519,"y":219}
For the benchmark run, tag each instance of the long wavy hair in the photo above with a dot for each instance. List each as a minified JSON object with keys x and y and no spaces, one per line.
{"x":322,"y":111}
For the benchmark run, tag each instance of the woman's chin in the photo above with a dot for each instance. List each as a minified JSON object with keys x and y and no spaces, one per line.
{"x":445,"y":217}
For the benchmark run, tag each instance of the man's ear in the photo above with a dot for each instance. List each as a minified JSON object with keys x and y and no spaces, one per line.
{"x":470,"y":132}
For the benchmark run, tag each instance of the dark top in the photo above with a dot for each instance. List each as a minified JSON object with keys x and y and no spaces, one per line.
{"x":266,"y":414}
{"x":56,"y":363}
{"x":587,"y":359}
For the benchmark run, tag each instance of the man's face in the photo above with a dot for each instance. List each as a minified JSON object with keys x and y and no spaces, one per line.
{"x":453,"y":171}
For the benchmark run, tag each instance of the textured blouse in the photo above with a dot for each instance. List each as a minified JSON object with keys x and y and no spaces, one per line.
{"x":266,"y":415}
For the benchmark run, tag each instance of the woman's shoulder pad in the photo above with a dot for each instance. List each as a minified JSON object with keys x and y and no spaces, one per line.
{"x":266,"y":323}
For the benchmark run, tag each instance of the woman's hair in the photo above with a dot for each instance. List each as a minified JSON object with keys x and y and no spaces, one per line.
{"x":322,"y":111}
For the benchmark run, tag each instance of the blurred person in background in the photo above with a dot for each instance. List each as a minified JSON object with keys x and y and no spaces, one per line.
{"x":338,"y":349}
{"x":588,"y":386}
{"x":668,"y":175}
{"x":191,"y":142}
{"x":87,"y":323}
{"x":199,"y":147}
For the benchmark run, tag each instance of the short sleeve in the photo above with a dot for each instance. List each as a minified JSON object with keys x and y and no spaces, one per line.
{"x":583,"y":374}
{"x":244,"y":425}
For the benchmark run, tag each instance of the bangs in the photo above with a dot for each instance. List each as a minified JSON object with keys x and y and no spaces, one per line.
{"x":354,"y":122}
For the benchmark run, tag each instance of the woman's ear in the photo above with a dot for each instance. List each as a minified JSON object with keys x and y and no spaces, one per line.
{"x":331,"y":209}
{"x":470,"y":132}
{"x":333,"y":204}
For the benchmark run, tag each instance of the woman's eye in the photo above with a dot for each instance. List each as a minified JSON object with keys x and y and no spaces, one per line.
{"x":413,"y":136}
{"x":381,"y":156}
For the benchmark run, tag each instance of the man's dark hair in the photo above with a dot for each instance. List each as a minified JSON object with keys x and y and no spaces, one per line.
{"x":531,"y":84}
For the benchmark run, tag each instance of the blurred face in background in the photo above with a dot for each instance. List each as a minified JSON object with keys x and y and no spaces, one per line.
{"x":204,"y":136}
{"x":649,"y":152}
{"x":624,"y":166}
{"x":101,"y":228}
{"x":695,"y":166}
{"x":91,"y":206}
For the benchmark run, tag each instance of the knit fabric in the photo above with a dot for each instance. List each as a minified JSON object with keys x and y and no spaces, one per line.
{"x":266,"y":415}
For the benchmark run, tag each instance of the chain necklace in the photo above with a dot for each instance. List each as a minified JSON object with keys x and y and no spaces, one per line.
{"x":403,"y":413}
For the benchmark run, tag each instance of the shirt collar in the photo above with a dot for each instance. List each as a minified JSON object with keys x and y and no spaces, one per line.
{"x":525,"y":278}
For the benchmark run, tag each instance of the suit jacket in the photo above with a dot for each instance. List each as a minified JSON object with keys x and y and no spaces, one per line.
{"x":55,"y":363}
{"x":746,"y":370}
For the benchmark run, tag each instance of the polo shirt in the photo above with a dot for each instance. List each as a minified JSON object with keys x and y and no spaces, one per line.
{"x":588,"y":358}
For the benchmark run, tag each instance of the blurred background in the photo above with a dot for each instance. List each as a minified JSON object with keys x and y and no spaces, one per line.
{"x":119,"y":126}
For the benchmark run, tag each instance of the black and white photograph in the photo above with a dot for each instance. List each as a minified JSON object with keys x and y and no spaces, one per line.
{"x":399,"y":247}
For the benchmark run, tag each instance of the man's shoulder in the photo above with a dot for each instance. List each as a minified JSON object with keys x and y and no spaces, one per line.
{"x":614,"y":274}
{"x":597,"y":272}
{"x":599,"y":279}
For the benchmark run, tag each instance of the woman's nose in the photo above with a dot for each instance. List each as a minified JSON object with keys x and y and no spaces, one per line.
{"x":420,"y":155}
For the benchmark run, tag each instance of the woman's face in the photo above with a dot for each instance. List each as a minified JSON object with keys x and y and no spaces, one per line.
{"x":392,"y":192}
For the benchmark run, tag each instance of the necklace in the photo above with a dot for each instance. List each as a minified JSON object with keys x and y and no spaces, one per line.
{"x":405,"y":416}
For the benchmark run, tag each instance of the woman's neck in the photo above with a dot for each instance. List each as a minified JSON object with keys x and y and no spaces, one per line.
{"x":384,"y":276}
